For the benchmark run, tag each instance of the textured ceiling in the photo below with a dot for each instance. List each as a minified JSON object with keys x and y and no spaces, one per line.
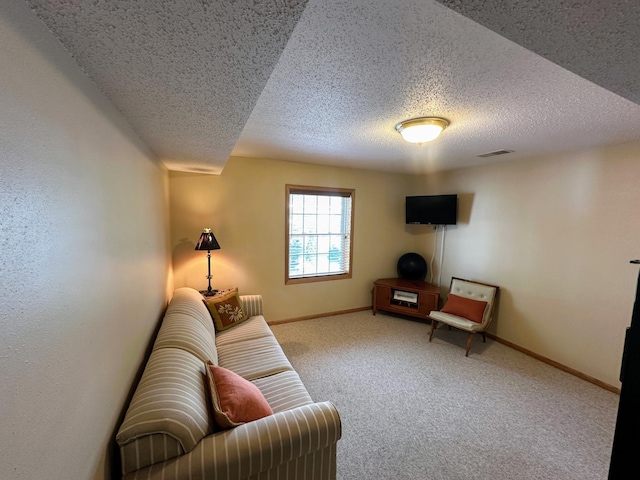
{"x":185,"y":73}
{"x":352,"y":70}
{"x":201,"y":80}
{"x":598,"y":40}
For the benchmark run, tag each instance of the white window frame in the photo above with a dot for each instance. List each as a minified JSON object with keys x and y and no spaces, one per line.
{"x":347,"y":235}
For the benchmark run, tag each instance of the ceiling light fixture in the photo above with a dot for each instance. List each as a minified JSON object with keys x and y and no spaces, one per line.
{"x":422,"y":129}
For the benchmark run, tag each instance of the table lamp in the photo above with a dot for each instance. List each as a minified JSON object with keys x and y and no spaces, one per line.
{"x":208,"y":242}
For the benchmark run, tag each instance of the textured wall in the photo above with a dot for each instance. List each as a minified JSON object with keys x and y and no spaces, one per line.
{"x":83,"y":258}
{"x":556,"y":234}
{"x":245,"y":207}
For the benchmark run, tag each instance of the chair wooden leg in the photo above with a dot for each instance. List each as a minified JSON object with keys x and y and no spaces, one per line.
{"x":484,"y":338}
{"x":434,"y":324}
{"x":469,"y":340}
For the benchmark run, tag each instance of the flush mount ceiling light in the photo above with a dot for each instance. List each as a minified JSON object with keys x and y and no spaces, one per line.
{"x":422,"y":129}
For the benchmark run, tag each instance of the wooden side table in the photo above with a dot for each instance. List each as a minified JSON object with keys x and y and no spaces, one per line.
{"x":216,"y":293}
{"x":414,"y":298}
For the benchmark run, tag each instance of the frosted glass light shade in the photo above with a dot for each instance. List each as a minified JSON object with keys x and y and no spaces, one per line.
{"x":421,"y":130}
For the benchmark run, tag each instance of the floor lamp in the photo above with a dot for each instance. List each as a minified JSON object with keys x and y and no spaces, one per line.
{"x":208,"y":242}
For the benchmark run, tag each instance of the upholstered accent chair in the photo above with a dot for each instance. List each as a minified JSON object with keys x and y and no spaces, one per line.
{"x":469,"y":307}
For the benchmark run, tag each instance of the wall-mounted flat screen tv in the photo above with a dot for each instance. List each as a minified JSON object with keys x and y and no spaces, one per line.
{"x":432,"y":209}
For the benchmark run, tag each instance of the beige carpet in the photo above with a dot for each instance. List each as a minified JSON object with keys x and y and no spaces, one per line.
{"x":412,"y":409}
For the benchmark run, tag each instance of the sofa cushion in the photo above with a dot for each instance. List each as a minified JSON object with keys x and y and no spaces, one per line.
{"x":254,"y":327}
{"x":226,"y":310}
{"x":234,"y":400}
{"x":170,"y":400}
{"x":187,"y":333}
{"x":283,"y":391}
{"x":465,"y":307}
{"x":189,"y":301}
{"x":254,"y":358}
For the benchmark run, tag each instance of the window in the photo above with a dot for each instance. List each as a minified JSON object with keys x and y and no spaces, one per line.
{"x":319,"y":232}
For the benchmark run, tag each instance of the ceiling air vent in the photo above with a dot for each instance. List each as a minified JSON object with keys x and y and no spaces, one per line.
{"x":493,"y":154}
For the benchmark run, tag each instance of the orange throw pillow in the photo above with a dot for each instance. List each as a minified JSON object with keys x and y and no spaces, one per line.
{"x":235,"y":400}
{"x":465,"y":307}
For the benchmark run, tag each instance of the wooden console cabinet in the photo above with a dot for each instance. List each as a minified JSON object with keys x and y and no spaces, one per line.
{"x":414,"y":298}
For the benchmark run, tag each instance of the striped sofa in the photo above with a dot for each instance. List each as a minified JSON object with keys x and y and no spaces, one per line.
{"x":168,"y":432}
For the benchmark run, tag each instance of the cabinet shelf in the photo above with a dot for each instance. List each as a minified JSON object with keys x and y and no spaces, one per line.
{"x":397,"y":295}
{"x":402,"y":303}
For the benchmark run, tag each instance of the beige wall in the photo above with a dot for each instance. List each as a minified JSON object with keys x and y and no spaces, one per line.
{"x":556,"y":234}
{"x":245,"y":208}
{"x":84,"y":258}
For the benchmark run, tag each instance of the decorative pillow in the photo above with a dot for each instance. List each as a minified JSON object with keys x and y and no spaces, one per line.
{"x":235,"y":400}
{"x":226,"y":309}
{"x":465,"y":307}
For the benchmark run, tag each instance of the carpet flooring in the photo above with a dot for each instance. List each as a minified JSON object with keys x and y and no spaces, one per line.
{"x":411,"y":409}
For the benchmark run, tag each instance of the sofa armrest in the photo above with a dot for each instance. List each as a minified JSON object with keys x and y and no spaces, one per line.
{"x":251,"y":304}
{"x":255,"y":447}
{"x":264,"y":444}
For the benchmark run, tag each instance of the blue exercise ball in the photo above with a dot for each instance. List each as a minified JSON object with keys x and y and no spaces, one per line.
{"x":412,"y":266}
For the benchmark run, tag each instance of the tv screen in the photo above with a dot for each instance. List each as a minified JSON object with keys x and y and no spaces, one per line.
{"x":432,"y":209}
